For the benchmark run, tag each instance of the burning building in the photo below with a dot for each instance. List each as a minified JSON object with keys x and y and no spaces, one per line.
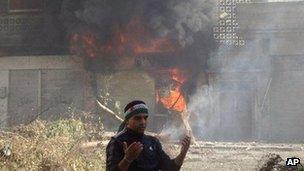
{"x":164,"y":42}
{"x":162,"y":52}
{"x":111,"y":38}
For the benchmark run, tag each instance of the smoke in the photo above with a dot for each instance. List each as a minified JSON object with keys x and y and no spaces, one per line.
{"x":234,"y":105}
{"x":178,"y":20}
{"x":225,"y":109}
{"x":201,"y":109}
{"x":186,"y":24}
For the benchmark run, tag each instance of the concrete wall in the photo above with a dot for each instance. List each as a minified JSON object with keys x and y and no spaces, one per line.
{"x":278,"y":28}
{"x":258,"y":88}
{"x":48,"y":85}
{"x":4,"y":77}
{"x":39,"y":85}
{"x":24,"y":30}
{"x":23,"y":96}
{"x":40,"y":62}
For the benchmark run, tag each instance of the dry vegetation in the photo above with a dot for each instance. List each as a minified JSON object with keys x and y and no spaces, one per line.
{"x":54,"y":145}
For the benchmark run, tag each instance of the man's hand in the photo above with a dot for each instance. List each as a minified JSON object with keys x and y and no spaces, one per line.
{"x":133,"y":151}
{"x":185,"y":144}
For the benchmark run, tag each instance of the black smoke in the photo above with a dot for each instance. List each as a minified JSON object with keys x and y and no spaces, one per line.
{"x":177,"y":19}
{"x":186,"y":23}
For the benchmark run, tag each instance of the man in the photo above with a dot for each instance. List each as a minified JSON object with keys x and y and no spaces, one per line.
{"x":132,"y":150}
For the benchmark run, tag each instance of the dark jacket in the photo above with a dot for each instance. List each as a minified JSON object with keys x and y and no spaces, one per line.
{"x":152,"y":158}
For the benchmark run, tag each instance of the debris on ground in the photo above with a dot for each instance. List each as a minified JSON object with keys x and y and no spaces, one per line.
{"x":271,"y":162}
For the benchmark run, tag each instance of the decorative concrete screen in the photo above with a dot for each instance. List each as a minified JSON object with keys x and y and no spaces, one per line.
{"x":225,"y":31}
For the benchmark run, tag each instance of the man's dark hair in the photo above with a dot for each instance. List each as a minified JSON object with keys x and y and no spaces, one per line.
{"x":135,"y":102}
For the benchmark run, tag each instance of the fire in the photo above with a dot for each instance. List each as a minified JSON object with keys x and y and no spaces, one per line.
{"x":175,"y":100}
{"x":87,"y":44}
{"x":178,"y":75}
{"x":134,"y":39}
{"x":155,"y":46}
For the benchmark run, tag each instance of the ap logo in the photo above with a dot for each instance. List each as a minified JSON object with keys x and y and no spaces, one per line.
{"x":293,"y":162}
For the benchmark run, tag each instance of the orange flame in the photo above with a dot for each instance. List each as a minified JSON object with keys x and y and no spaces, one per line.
{"x":175,"y":100}
{"x":155,"y":46}
{"x":87,"y":44}
{"x":133,"y":38}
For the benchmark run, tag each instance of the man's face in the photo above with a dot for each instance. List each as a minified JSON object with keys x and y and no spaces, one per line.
{"x":138,"y":123}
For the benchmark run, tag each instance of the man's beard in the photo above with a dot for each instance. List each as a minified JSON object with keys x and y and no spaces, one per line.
{"x":141,"y":128}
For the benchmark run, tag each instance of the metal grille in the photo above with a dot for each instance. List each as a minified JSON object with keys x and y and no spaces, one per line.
{"x":225,"y":30}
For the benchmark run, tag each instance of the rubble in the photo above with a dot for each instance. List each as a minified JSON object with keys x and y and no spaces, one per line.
{"x":271,"y":162}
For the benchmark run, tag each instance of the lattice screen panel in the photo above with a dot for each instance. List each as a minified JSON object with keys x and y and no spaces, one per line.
{"x":225,"y":30}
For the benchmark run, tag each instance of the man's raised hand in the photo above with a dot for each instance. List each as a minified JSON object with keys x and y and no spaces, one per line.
{"x":133,"y":151}
{"x":185,"y":142}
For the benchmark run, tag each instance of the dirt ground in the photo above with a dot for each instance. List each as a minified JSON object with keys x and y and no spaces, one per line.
{"x":216,"y":156}
{"x":231,"y":156}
